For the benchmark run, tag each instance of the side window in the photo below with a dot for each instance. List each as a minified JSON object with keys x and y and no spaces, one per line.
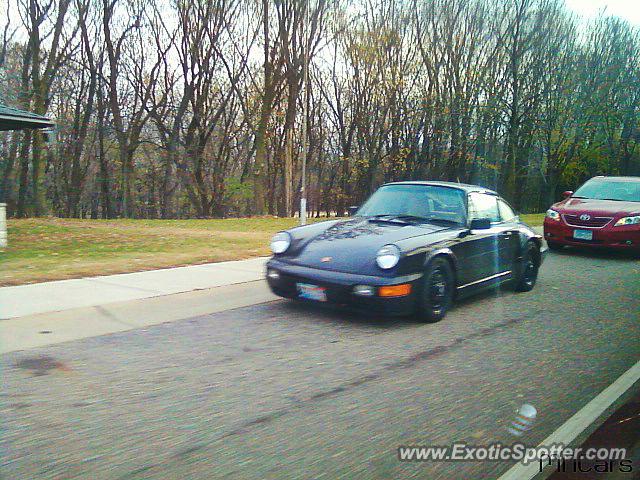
{"x":483,"y":206}
{"x":506,"y":212}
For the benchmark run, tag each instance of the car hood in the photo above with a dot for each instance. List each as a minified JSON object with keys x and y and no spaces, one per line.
{"x":351,"y":245}
{"x":608,"y":208}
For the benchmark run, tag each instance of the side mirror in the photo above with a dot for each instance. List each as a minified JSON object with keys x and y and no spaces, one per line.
{"x":480,"y":224}
{"x":567,"y":194}
{"x":352,"y":210}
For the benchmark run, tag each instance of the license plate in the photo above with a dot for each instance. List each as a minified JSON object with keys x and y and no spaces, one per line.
{"x":583,"y":234}
{"x":312,"y":292}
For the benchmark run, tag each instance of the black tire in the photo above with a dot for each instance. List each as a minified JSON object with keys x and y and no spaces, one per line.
{"x":528,"y":271}
{"x":437,"y":291}
{"x":556,"y":247}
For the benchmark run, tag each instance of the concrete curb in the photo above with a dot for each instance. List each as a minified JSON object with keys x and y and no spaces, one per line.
{"x":43,"y":329}
{"x":62,"y":295}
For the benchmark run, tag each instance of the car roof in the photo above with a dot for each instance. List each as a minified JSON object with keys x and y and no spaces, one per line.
{"x":618,"y":179}
{"x":460,"y":186}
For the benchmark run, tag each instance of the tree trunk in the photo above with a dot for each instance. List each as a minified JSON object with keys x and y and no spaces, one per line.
{"x":24,"y":175}
{"x":105,"y":193}
{"x":7,"y":171}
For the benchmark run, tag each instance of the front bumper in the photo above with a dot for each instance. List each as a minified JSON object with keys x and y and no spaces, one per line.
{"x":339,"y":288}
{"x":609,"y":237}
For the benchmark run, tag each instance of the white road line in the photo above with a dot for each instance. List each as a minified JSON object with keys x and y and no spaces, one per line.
{"x":573,"y":427}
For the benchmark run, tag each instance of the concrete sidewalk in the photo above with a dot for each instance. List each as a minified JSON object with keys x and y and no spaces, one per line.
{"x":62,"y":295}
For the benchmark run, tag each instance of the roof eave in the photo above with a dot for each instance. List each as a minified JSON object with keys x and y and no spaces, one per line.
{"x":15,"y":122}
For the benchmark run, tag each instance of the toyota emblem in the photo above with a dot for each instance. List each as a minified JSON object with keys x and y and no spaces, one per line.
{"x":325,"y":259}
{"x":584,"y":217}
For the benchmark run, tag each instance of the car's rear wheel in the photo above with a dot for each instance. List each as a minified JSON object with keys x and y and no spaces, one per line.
{"x":437,"y":291}
{"x":528,"y":275}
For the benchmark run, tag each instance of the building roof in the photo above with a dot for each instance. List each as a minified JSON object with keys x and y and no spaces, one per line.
{"x":14,"y":119}
{"x":462,"y":186}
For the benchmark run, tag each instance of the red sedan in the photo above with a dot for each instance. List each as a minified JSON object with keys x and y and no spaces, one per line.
{"x":603,"y":213}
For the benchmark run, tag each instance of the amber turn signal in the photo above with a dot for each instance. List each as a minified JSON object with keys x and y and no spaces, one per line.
{"x":395,"y":290}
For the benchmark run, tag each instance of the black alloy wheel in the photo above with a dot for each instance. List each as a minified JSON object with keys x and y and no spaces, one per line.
{"x":437,"y":291}
{"x":529,"y":269}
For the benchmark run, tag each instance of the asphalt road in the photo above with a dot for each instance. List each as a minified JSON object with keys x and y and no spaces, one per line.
{"x":286,"y":390}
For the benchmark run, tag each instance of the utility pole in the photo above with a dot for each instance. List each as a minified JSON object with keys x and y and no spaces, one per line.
{"x":305,"y":115}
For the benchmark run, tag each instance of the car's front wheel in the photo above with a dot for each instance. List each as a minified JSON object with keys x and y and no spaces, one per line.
{"x":437,"y":291}
{"x":528,"y":275}
{"x":556,"y":247}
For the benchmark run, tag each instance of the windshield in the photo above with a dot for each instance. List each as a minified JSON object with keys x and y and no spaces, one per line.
{"x":428,"y":202}
{"x":607,"y":189}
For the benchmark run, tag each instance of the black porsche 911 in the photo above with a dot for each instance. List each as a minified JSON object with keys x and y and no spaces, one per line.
{"x":412,"y":248}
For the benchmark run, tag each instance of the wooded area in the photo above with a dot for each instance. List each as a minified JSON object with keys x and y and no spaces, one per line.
{"x":193,"y":108}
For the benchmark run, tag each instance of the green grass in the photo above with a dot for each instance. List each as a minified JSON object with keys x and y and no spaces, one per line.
{"x":53,"y":249}
{"x":533,"y":219}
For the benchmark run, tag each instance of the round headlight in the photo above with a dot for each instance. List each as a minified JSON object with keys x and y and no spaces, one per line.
{"x":280,"y":242}
{"x":553,"y":215}
{"x":388,"y":257}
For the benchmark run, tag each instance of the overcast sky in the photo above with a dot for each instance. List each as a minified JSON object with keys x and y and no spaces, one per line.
{"x":627,"y":9}
{"x":587,"y":9}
